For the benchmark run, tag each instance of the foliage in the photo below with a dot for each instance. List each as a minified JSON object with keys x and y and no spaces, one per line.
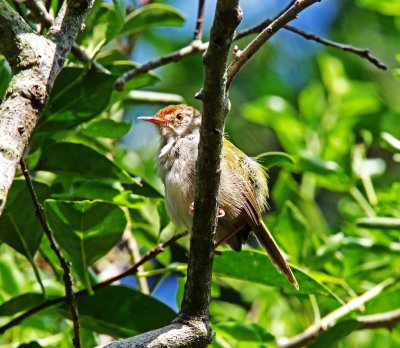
{"x":329,"y":134}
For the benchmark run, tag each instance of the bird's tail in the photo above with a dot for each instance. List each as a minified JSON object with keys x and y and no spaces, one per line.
{"x":266,"y":239}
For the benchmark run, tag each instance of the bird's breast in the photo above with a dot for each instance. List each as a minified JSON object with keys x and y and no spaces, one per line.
{"x":177,"y":162}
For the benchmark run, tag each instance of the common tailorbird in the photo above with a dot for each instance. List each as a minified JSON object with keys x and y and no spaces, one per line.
{"x":243,"y":189}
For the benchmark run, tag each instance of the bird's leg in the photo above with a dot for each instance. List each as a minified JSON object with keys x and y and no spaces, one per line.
{"x":220,"y":212}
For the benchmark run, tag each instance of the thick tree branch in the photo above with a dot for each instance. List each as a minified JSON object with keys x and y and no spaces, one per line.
{"x":240,"y":58}
{"x":151,"y":254}
{"x":35,"y":62}
{"x":215,"y":108}
{"x":65,"y":265}
{"x":313,"y":331}
{"x":192,"y":321}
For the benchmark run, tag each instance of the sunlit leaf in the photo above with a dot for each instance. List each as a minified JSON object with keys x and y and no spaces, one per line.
{"x":272,"y":159}
{"x":244,"y":332}
{"x":236,"y":265}
{"x":85,"y":230}
{"x":105,"y":128}
{"x":77,"y":159}
{"x":310,"y":163}
{"x":20,"y":227}
{"x":20,"y":303}
{"x":152,"y":15}
{"x":123,"y":312}
{"x":77,"y":97}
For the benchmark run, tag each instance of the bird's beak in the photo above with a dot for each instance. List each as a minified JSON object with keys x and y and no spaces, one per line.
{"x":152,"y":119}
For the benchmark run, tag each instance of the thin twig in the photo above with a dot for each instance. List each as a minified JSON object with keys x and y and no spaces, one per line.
{"x":151,"y":254}
{"x":242,"y":57}
{"x":313,"y":331}
{"x":381,"y":320}
{"x":198,"y":32}
{"x":163,"y":60}
{"x":202,"y":47}
{"x":65,"y":265}
{"x":132,"y":248}
{"x":81,"y":55}
{"x":362,"y":52}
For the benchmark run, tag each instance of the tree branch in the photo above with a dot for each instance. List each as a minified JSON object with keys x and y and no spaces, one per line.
{"x":192,"y":321}
{"x":313,"y":331}
{"x":151,"y":254}
{"x":362,"y":52}
{"x":198,"y":31}
{"x":198,"y":47}
{"x":35,"y":62}
{"x":65,"y":265}
{"x":240,"y":58}
{"x":215,"y":108}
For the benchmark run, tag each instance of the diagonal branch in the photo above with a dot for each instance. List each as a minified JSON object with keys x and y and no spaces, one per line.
{"x":198,"y":31}
{"x":361,"y":52}
{"x":198,"y":47}
{"x":240,"y":58}
{"x":151,"y":254}
{"x":35,"y":62}
{"x":313,"y":331}
{"x":65,"y":265}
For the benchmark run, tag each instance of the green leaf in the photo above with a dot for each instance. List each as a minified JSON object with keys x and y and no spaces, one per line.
{"x":120,"y":311}
{"x":20,"y":303}
{"x":118,"y":20}
{"x":78,"y":96}
{"x":244,"y":332}
{"x":152,"y":15}
{"x":32,"y":344}
{"x":310,"y":163}
{"x":256,"y":267}
{"x":5,"y":75}
{"x":292,"y":229}
{"x":105,"y":128}
{"x":77,"y":159}
{"x":312,"y":102}
{"x":386,"y":7}
{"x":102,"y":25}
{"x":19,"y":226}
{"x":85,"y":230}
{"x":142,"y":188}
{"x":330,"y":337}
{"x":279,"y":114}
{"x":272,"y":159}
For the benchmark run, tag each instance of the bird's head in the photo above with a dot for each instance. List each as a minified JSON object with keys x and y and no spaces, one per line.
{"x":176,"y":120}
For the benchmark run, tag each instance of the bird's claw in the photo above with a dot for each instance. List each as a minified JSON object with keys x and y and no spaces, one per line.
{"x":220,"y":213}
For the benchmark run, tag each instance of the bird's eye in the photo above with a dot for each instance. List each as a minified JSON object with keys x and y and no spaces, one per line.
{"x":179,"y":116}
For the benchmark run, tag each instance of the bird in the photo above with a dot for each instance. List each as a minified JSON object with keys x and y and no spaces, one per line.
{"x":243,"y":188}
